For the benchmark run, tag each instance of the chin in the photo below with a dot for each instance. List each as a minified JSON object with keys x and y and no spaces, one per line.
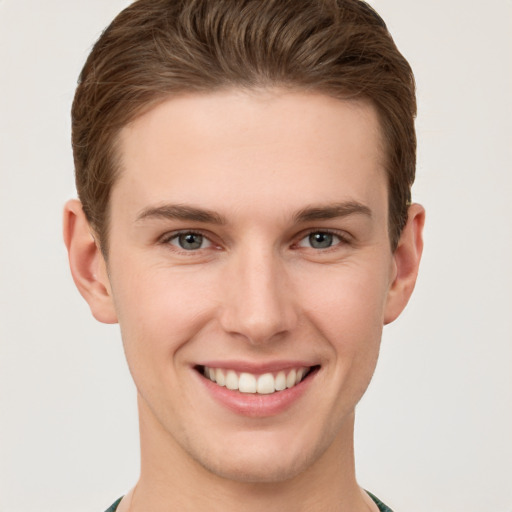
{"x":255,"y":471}
{"x":261,"y":462}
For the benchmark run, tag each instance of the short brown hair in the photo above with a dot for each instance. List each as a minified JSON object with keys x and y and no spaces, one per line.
{"x":157,"y":48}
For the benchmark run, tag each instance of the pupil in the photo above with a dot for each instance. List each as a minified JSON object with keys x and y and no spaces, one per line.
{"x":190,"y":241}
{"x":320,"y":240}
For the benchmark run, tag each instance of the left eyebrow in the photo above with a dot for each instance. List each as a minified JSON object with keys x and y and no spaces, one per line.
{"x":181,"y":212}
{"x":332,"y":211}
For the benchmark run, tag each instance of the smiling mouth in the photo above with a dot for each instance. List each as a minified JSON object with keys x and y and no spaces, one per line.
{"x":264,"y":384}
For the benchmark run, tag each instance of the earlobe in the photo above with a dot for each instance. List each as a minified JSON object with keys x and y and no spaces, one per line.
{"x":87,"y":263}
{"x":407,"y":258}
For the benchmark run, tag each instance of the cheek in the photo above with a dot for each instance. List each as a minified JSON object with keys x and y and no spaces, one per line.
{"x":345,"y":311}
{"x":159,"y":309}
{"x":346,"y":304}
{"x":346,"y":308}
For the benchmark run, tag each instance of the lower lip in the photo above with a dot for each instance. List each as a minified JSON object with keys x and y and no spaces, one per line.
{"x":258,"y":405}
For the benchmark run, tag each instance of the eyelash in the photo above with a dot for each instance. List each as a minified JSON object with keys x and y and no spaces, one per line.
{"x":344,"y":239}
{"x":168,"y":238}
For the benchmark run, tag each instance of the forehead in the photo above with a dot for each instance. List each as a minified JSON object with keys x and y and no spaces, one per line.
{"x":243,"y":147}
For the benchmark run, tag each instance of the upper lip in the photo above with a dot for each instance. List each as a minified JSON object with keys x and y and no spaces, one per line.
{"x":257,"y":367}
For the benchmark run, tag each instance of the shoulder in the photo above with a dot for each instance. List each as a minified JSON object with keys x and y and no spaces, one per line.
{"x":382,"y":506}
{"x":114,"y":506}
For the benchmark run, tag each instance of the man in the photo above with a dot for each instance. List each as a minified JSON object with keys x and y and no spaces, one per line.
{"x":244,"y":171}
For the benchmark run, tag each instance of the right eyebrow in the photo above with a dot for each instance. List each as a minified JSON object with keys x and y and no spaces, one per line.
{"x":332,"y":211}
{"x":181,"y":212}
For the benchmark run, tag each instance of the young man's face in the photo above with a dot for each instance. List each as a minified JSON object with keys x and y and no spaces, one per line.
{"x":249,"y":240}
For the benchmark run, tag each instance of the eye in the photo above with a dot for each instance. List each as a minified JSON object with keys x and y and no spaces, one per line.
{"x":189,"y":241}
{"x":320,"y":240}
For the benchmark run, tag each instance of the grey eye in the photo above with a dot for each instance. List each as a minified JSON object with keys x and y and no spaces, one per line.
{"x":190,"y":241}
{"x":320,"y":240}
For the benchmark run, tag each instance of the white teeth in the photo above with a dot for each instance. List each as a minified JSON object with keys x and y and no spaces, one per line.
{"x":219,"y":377}
{"x":264,"y":384}
{"x":280,"y":381}
{"x":247,"y":383}
{"x":291,"y":379}
{"x":231,"y":380}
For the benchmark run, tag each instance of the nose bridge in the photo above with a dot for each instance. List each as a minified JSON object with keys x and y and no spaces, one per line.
{"x":258,"y":303}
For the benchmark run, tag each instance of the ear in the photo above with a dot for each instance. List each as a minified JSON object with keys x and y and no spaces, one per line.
{"x":407,"y":258}
{"x":87,"y":263}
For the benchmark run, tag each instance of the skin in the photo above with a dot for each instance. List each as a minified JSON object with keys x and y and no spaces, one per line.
{"x":256,"y":290}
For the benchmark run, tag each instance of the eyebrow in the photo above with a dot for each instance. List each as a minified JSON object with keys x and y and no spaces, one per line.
{"x":308,"y":214}
{"x":332,"y":211}
{"x":181,"y":212}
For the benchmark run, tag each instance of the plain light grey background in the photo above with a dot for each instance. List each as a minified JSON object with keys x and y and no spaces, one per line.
{"x":435,"y":428}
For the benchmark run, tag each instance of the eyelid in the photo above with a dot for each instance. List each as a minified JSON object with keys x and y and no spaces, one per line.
{"x":345,"y":238}
{"x":172,"y":235}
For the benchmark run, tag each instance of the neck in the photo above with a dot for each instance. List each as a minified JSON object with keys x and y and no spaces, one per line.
{"x":171,"y":480}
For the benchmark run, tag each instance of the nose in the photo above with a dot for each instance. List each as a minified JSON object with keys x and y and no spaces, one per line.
{"x":258,"y":302}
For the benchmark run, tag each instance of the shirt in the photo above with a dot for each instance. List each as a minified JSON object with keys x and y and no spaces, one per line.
{"x":382,"y":507}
